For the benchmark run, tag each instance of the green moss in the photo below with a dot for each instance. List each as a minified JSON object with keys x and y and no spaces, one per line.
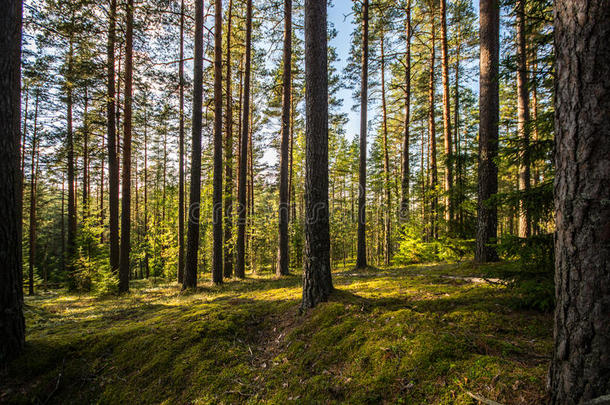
{"x":398,"y":335}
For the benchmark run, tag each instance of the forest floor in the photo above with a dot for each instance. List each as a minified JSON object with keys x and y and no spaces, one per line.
{"x":394,"y":335}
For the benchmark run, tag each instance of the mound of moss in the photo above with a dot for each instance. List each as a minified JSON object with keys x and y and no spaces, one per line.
{"x":423,"y":334}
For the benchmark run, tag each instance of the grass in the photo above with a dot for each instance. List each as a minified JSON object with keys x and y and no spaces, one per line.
{"x":392,"y":335}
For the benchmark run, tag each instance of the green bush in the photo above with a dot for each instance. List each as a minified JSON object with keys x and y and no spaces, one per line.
{"x":415,"y":248}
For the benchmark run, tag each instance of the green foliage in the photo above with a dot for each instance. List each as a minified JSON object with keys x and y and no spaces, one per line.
{"x":415,"y":247}
{"x":531,"y":274}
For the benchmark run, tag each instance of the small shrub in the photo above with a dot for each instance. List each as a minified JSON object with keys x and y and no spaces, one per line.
{"x":414,"y":248}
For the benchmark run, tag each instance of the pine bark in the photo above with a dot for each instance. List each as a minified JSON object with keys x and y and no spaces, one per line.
{"x":317,"y":281}
{"x":181,"y":151}
{"x":240,"y":263}
{"x":361,"y":253}
{"x":523,"y":118}
{"x":113,"y":164}
{"x":217,"y":181}
{"x":12,"y":323}
{"x":487,"y":218}
{"x":447,"y":141}
{"x":124,"y":262}
{"x":228,"y":238}
{"x":190,"y":271}
{"x":580,"y":370}
{"x":406,"y":172}
{"x":284,"y":206}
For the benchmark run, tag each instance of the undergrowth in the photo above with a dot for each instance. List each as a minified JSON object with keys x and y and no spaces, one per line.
{"x":399,"y":335}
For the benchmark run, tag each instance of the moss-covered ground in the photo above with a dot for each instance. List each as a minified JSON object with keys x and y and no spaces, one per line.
{"x":398,"y":335}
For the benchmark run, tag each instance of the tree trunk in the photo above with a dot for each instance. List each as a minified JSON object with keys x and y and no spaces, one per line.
{"x":406,"y":172}
{"x":190,"y":271}
{"x":432,"y":135}
{"x":240,"y":264}
{"x":487,"y":218}
{"x":113,"y":163}
{"x":25,"y":128}
{"x":12,"y":323}
{"x":458,"y":200}
{"x":523,"y":118}
{"x":32,"y":230}
{"x":71,"y":243}
{"x":580,"y":370}
{"x":386,"y":162}
{"x":317,"y":281}
{"x":448,"y":181}
{"x":181,"y":151}
{"x":124,"y":263}
{"x":228,"y":230}
{"x":361,"y":254}
{"x":217,"y":192}
{"x":86,"y":156}
{"x":284,"y":207}
{"x":146,"y":190}
{"x":102,"y":185}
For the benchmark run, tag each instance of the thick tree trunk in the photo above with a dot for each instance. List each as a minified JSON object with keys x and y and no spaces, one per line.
{"x":406,"y":172}
{"x":317,"y":281}
{"x":448,"y":181}
{"x":283,"y":259}
{"x":12,"y":323}
{"x":228,"y":238}
{"x":240,"y":264}
{"x":386,"y":162}
{"x":432,"y":134}
{"x":113,"y":163}
{"x":580,"y":370}
{"x":217,"y":182}
{"x":523,"y":113}
{"x":190,"y":271}
{"x":487,"y":218}
{"x":181,"y":151}
{"x":32,"y":230}
{"x":124,"y":263}
{"x":361,"y":254}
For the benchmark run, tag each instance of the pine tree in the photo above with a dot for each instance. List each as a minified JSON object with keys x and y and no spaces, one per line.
{"x":361,"y":261}
{"x":12,"y":323}
{"x":579,"y":370}
{"x":487,"y":222}
{"x":190,"y":271}
{"x":240,"y":264}
{"x":284,"y":206}
{"x":317,"y":281}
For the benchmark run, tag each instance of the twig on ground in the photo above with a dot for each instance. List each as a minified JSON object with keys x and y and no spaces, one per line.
{"x":61,"y":370}
{"x":482,"y":399}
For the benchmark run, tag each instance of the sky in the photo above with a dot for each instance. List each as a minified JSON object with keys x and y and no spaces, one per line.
{"x":342,"y":19}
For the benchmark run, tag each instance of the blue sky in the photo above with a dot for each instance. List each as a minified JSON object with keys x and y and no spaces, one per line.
{"x":344,"y":26}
